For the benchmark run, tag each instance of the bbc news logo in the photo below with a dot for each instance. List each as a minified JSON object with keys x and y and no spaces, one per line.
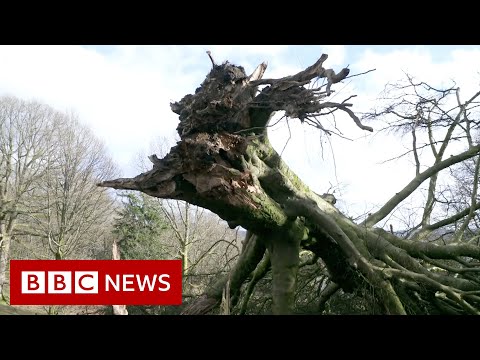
{"x":59,"y":282}
{"x":95,"y":282}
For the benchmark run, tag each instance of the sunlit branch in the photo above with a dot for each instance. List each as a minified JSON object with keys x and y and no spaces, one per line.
{"x":415,"y":183}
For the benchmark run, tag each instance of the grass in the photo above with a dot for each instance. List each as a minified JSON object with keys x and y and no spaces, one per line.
{"x":12,"y":310}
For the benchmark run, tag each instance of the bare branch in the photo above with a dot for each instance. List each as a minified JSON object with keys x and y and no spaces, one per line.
{"x":473,"y":200}
{"x":356,"y":119}
{"x":211,"y":58}
{"x":362,"y":73}
{"x":415,"y":183}
{"x":414,"y":148}
{"x":452,"y":219}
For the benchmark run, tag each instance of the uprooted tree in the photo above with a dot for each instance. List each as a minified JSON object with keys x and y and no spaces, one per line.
{"x":224,"y":162}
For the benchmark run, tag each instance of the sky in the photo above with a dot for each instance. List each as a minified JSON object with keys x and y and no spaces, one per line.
{"x":123,"y":92}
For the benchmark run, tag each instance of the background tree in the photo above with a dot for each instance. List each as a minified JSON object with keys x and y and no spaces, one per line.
{"x":75,"y":214}
{"x":139,"y":227}
{"x":50,"y":204}
{"x":25,"y":141}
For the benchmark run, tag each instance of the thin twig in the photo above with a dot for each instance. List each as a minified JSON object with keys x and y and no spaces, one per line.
{"x":366,"y":72}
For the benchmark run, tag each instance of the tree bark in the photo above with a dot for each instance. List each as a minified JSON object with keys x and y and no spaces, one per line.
{"x":5,"y":241}
{"x":117,"y":309}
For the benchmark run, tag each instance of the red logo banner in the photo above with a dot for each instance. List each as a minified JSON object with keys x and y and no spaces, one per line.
{"x":95,"y":282}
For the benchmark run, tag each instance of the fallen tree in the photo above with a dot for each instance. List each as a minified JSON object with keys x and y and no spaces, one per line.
{"x":224,"y":162}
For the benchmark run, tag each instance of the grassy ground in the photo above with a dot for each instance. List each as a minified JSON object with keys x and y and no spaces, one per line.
{"x":12,"y":310}
{"x":6,"y":309}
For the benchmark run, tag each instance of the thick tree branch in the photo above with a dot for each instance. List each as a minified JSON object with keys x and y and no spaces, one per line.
{"x":261,"y":270}
{"x":315,"y":70}
{"x":247,"y":263}
{"x":452,"y":219}
{"x":307,"y":209}
{"x":432,"y":250}
{"x":423,"y":279}
{"x":415,"y":183}
{"x":326,"y":294}
{"x":387,"y":251}
{"x":258,"y":72}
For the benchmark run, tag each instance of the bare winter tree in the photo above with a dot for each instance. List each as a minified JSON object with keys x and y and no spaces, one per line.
{"x":49,"y":203}
{"x":74,"y":211}
{"x":224,"y":162}
{"x":25,"y":141}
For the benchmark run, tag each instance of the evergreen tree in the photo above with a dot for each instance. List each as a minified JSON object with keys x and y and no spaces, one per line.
{"x":139,"y":227}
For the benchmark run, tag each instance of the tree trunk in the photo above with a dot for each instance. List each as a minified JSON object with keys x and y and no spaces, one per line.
{"x":225,"y":163}
{"x":117,"y":309}
{"x":5,"y":241}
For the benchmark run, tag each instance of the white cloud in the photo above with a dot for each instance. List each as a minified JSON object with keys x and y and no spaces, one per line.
{"x":237,"y":53}
{"x":462,"y":66}
{"x":123,"y":96}
{"x":336,"y":56}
